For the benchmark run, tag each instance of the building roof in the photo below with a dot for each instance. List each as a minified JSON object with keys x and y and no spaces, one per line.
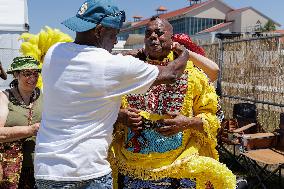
{"x":171,"y":14}
{"x":188,"y":9}
{"x":215,"y":28}
{"x":281,"y":32}
{"x":161,"y":8}
{"x":137,"y":16}
{"x":237,"y":11}
{"x":134,"y":39}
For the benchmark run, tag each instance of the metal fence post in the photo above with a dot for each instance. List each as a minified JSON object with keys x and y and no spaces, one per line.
{"x":220,"y":64}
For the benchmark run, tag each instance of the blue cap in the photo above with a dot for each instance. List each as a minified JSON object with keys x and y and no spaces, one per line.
{"x":94,"y":12}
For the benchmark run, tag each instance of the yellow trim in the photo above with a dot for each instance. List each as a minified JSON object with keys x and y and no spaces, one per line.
{"x":195,"y":158}
{"x":167,"y":59}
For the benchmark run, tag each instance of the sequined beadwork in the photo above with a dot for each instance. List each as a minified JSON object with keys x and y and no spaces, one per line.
{"x":158,"y":99}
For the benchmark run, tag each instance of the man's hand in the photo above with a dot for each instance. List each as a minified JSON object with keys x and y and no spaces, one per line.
{"x":178,"y":123}
{"x":178,"y":48}
{"x":131,"y":118}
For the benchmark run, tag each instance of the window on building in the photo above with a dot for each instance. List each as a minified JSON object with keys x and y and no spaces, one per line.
{"x":188,"y":25}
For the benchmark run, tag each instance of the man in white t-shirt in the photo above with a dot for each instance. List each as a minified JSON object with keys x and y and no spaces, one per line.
{"x":83,"y":86}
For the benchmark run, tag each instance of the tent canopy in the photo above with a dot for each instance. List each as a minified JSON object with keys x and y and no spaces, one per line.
{"x":14,"y":15}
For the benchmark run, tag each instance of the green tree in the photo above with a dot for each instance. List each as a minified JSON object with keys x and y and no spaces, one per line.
{"x":269,"y":26}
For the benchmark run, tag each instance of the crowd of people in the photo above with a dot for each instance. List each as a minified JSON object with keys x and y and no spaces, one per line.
{"x":145,"y":119}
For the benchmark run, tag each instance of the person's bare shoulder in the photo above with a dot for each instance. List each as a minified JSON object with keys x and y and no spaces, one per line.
{"x":4,"y":108}
{"x":3,"y":98}
{"x":3,"y":74}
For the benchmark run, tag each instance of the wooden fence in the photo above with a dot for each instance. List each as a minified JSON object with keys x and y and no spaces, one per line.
{"x":252,"y":70}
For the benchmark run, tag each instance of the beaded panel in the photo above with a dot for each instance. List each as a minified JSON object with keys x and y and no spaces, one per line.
{"x":158,"y":99}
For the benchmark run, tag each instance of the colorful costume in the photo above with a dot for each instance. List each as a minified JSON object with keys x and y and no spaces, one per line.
{"x":148,"y":155}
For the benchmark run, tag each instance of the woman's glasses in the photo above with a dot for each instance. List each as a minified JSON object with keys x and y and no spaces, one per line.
{"x":28,"y":73}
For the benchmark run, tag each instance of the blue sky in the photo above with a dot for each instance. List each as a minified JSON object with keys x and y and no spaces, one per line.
{"x":53,"y":12}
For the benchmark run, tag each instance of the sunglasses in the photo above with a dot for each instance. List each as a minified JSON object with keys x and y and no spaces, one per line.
{"x":30,"y":73}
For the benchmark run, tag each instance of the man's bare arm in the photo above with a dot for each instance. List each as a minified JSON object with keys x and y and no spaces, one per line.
{"x":210,"y":68}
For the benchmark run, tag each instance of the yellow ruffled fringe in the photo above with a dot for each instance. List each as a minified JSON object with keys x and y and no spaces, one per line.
{"x":195,"y":158}
{"x":37,"y":45}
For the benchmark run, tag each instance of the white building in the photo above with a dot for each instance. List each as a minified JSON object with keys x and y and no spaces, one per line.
{"x":203,"y":19}
{"x":13,"y":22}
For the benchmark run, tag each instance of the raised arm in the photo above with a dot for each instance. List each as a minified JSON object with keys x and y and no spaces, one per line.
{"x":9,"y":134}
{"x":210,"y":68}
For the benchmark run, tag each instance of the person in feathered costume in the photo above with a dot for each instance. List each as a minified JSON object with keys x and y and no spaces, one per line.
{"x":166,"y":138}
{"x":37,"y":45}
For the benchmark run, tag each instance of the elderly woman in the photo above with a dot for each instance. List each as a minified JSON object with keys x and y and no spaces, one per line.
{"x":20,"y":114}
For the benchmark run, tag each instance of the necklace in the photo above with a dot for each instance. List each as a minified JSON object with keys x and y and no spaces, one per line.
{"x":22,"y":102}
{"x":157,"y":62}
{"x":30,"y":106}
{"x":164,"y":62}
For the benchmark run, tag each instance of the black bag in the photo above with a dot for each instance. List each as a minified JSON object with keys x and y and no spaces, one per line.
{"x":245,"y":111}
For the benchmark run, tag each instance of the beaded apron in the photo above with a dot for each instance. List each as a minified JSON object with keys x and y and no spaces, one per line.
{"x":159,"y":99}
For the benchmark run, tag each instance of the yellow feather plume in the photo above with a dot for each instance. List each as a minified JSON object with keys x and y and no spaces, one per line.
{"x":26,"y":36}
{"x":37,"y":45}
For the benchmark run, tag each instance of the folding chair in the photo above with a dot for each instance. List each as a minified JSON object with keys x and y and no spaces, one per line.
{"x":267,"y":149}
{"x":244,"y":121}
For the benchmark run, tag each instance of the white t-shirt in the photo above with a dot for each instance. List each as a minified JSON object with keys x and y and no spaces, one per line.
{"x":82,"y":94}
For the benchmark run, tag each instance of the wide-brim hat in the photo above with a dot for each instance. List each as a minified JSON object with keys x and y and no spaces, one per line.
{"x":23,"y":63}
{"x":94,"y":12}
